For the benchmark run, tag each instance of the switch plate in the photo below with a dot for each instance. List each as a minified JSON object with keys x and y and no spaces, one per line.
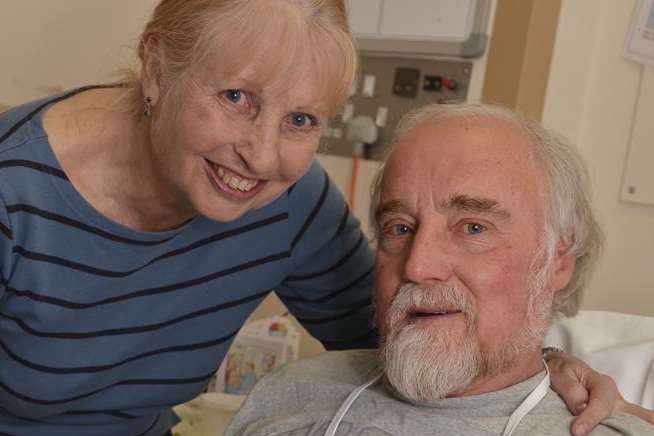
{"x":369,"y":82}
{"x":382,"y":116}
{"x":348,"y":112}
{"x":406,"y":82}
{"x":432,"y":83}
{"x":386,"y":107}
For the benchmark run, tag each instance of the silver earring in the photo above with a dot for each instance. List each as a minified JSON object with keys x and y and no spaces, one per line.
{"x":147,"y":106}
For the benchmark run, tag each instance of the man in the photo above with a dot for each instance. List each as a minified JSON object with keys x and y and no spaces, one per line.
{"x":484,"y":229}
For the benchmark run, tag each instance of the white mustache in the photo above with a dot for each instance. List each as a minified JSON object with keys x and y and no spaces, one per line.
{"x":411,"y":297}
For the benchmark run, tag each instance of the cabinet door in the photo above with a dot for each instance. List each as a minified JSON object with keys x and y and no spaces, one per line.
{"x":365,"y":16}
{"x":442,"y":20}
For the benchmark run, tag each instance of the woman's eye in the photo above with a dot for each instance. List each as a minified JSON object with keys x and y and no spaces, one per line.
{"x":299,"y":120}
{"x":233,"y":95}
{"x":239,"y":101}
{"x":303,"y":121}
{"x":473,"y":228}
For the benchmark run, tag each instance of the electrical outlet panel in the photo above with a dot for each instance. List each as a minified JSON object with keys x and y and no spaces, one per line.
{"x":389,"y":87}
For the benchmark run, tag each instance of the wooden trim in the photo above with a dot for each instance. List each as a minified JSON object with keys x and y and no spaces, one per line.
{"x":520,"y":54}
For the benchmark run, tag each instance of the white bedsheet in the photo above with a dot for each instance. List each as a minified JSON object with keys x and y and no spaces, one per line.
{"x":617,"y":344}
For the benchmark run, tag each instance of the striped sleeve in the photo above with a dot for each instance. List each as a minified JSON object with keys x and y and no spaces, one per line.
{"x":6,"y":244}
{"x":330,"y":286}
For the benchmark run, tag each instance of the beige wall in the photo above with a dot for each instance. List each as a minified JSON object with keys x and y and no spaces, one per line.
{"x":561,"y":61}
{"x":48,"y":46}
{"x":591,"y":97}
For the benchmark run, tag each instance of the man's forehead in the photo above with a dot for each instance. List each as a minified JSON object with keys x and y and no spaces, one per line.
{"x":460,"y":165}
{"x":483,"y":135}
{"x":479,"y":147}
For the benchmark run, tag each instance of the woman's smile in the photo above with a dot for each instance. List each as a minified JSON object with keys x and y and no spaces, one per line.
{"x":231,"y":183}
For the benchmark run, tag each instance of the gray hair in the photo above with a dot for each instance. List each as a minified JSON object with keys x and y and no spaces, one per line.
{"x":568,"y":208}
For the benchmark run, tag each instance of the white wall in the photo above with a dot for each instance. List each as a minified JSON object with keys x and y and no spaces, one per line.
{"x":591,"y":98}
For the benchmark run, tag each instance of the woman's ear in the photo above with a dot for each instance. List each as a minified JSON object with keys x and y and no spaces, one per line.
{"x":151,"y":74}
{"x":563,"y":264}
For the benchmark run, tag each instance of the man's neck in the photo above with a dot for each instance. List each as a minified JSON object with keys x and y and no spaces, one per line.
{"x":523,"y":369}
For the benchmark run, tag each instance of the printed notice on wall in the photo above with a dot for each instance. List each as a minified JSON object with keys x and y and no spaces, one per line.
{"x":640,"y":40}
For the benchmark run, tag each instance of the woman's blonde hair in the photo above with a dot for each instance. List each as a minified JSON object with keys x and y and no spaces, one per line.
{"x":268,"y":33}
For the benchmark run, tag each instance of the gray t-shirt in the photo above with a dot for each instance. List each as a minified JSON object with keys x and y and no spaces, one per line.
{"x":301,"y":399}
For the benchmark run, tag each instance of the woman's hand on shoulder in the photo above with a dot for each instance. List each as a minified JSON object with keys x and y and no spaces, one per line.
{"x":590,"y":395}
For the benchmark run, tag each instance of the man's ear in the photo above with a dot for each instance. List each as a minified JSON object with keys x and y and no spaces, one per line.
{"x":563,"y":264}
{"x":152,"y":71}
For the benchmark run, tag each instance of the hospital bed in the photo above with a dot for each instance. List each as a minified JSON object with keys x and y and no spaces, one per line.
{"x":616,"y":344}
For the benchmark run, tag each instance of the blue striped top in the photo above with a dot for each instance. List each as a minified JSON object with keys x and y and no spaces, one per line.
{"x":103,"y":328}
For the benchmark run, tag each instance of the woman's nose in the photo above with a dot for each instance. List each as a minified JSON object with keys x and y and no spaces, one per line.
{"x":259,"y":148}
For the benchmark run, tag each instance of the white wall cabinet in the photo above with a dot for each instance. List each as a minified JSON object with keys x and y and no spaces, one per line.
{"x":442,"y":20}
{"x":432,"y":27}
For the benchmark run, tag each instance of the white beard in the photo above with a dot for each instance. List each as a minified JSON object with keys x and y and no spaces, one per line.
{"x":425,"y":366}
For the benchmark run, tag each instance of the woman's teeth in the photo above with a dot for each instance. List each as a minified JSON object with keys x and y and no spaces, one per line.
{"x":235,"y":182}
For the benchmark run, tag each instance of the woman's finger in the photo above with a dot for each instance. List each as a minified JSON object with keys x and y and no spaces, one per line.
{"x":603,"y":399}
{"x":567,"y":381}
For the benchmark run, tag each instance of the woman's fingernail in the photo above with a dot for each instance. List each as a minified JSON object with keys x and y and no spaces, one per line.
{"x":581,"y":407}
{"x":580,"y":430}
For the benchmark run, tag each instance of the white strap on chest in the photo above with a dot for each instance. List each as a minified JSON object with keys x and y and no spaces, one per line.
{"x":518,"y":414}
{"x":528,"y":404}
{"x":340,"y":413}
{"x":647,"y":399}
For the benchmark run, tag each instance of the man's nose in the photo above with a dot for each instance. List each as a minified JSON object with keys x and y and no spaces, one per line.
{"x":260,"y":147}
{"x":429,"y":259}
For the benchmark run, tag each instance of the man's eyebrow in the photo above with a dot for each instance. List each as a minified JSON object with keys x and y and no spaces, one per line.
{"x":466,"y":203}
{"x":389,"y":207}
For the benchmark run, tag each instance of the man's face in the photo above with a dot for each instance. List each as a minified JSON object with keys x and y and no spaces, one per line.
{"x":461,"y":222}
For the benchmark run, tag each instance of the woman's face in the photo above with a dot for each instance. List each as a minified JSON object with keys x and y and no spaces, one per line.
{"x":236,"y":142}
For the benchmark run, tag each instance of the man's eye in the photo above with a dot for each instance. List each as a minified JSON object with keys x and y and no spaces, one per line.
{"x":400,"y":229}
{"x":395,"y":235}
{"x":473,"y":228}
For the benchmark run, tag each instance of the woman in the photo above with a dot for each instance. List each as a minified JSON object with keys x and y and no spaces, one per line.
{"x":142,"y":223}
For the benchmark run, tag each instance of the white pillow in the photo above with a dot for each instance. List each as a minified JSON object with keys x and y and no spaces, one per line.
{"x":617,"y":344}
